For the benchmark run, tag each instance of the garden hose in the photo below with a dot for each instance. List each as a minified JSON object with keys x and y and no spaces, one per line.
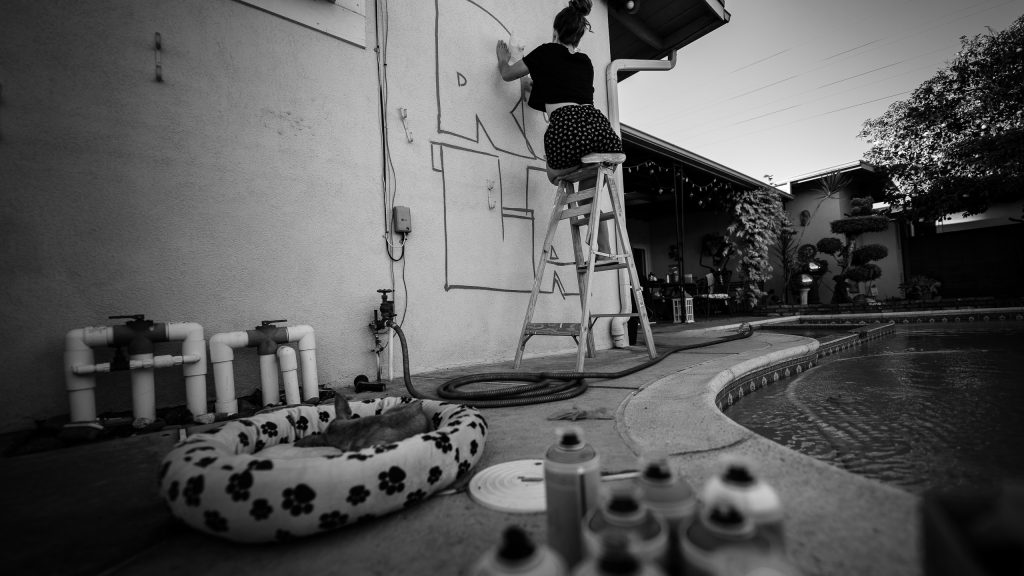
{"x":542,"y":386}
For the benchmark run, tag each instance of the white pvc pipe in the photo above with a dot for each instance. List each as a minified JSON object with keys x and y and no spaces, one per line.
{"x":156,"y":362}
{"x":193,"y":343}
{"x":618,"y":325}
{"x":81,"y":388}
{"x":304,"y":335}
{"x":222,"y":355}
{"x":268,"y":379}
{"x":289,"y":374}
{"x":143,"y":389}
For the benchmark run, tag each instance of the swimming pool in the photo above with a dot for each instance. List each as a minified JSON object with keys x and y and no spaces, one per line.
{"x":929,"y":406}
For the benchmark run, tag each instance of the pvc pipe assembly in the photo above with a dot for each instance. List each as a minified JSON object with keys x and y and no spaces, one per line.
{"x":139,"y":337}
{"x":618,"y":325}
{"x":273,"y":358}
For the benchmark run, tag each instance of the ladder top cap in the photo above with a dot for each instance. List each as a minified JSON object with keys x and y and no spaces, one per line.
{"x":612,"y":158}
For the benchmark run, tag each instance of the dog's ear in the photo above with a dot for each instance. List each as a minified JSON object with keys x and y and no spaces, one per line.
{"x":341,"y":407}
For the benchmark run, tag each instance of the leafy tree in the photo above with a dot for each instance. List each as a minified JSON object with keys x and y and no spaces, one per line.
{"x":956,"y":145}
{"x":855,"y":262}
{"x":757,"y":218}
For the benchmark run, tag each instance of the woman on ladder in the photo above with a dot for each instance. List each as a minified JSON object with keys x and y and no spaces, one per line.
{"x":560,"y":81}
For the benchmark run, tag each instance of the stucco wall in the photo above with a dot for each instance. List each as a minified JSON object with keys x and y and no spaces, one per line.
{"x":248,"y":184}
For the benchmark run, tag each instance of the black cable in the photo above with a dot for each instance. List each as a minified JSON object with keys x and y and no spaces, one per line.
{"x":543,"y":386}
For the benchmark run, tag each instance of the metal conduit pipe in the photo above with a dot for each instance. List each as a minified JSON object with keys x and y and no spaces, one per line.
{"x":618,"y":325}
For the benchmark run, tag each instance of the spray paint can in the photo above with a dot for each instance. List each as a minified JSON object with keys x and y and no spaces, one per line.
{"x":623,"y":511}
{"x":572,"y":477}
{"x":670,"y":497}
{"x":753,"y":496}
{"x":720,"y":529}
{"x":518,"y":555}
{"x":615,"y":559}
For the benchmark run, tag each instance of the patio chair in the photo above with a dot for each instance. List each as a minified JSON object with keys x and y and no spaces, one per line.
{"x":708,"y":291}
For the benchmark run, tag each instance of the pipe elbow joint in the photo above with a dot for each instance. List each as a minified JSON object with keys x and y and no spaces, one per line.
{"x":304,"y":335}
{"x":222,"y":345}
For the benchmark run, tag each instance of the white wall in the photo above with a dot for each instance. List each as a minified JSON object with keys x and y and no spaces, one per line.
{"x":247,"y":185}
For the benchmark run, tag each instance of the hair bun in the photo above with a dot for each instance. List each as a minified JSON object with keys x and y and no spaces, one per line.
{"x":582,"y":6}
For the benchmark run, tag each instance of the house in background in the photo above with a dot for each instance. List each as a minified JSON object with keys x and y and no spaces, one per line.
{"x":821,"y":197}
{"x":958,"y":257}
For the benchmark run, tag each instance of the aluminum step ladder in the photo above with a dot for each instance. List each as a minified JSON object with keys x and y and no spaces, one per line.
{"x":581,"y":208}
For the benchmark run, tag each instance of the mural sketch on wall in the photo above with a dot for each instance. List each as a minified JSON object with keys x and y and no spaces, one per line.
{"x":494,"y":187}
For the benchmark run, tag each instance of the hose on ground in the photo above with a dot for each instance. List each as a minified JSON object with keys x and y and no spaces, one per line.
{"x":541,"y":386}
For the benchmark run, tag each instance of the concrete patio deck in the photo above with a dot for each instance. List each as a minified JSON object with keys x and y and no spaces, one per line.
{"x":94,"y":509}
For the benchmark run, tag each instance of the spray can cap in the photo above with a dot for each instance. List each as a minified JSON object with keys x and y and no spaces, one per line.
{"x":516,"y":545}
{"x":570,"y":438}
{"x":616,"y":558}
{"x":737,"y":471}
{"x":655,"y":468}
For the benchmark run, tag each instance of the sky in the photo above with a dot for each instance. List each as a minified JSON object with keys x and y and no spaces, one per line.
{"x":784,"y":88}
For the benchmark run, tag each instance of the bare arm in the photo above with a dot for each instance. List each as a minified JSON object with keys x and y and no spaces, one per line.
{"x":509,"y":72}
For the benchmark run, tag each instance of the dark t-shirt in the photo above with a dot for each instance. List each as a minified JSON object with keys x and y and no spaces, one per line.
{"x":559,"y":76}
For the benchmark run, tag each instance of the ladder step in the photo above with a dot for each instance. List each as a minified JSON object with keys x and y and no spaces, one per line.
{"x":580,"y":196}
{"x":553,"y":328}
{"x":585,"y":219}
{"x":603,"y":266}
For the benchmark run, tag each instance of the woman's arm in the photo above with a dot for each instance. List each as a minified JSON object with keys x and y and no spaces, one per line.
{"x":509,"y":72}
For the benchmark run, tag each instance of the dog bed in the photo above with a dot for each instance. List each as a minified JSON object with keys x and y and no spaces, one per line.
{"x":219,"y":482}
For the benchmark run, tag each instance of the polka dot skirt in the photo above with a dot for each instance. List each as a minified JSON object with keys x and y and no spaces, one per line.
{"x":575,"y":131}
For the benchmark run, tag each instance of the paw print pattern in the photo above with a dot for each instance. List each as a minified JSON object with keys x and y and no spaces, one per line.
{"x":263,"y":465}
{"x":302,"y":424}
{"x":473,"y":447}
{"x":357,"y":495}
{"x":243,"y":439}
{"x":436,"y":420}
{"x":215,"y":522}
{"x":441,"y":441}
{"x":463,"y":468}
{"x":325,"y":416}
{"x":269,"y":429}
{"x":298,"y":500}
{"x":434,"y":475}
{"x":260,"y":445}
{"x":239,"y":485}
{"x":261,"y":509}
{"x":205,"y":461}
{"x":392,"y":480}
{"x":193,"y":490}
{"x":414,"y":497}
{"x":333,"y":520}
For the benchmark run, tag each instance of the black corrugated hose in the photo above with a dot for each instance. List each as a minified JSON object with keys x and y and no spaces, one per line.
{"x":543,"y":386}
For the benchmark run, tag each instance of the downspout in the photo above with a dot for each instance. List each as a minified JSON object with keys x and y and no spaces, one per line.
{"x":618,"y":325}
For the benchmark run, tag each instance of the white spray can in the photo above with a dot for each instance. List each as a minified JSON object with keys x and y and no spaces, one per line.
{"x":622,"y":511}
{"x":670,"y":497}
{"x":737,"y":483}
{"x":572,"y":478}
{"x":517,"y":555}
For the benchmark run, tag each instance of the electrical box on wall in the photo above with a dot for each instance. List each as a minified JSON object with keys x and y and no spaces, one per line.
{"x":402,"y":220}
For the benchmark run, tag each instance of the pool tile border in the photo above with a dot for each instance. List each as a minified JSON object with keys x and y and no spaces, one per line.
{"x":882,"y":324}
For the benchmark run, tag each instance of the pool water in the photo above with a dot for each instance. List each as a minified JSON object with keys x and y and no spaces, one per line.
{"x":926,"y":407}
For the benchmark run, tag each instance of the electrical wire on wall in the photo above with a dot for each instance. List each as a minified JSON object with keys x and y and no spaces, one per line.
{"x":389,"y":180}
